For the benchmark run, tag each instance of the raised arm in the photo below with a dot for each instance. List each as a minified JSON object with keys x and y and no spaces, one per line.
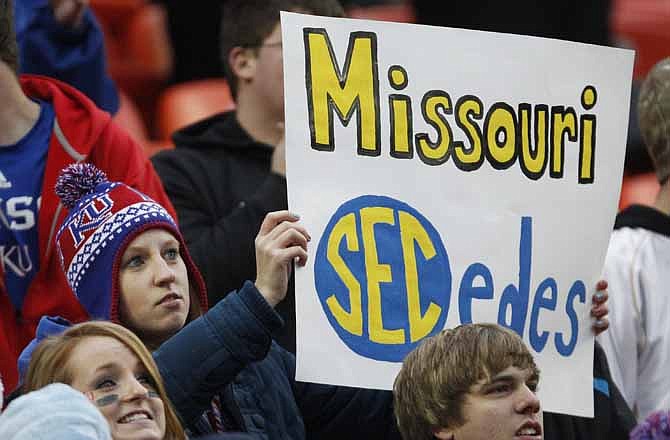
{"x":63,"y":40}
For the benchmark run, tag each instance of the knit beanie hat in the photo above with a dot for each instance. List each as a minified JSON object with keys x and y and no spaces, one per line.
{"x":55,"y":412}
{"x":655,"y":427}
{"x":104,"y":218}
{"x":654,"y":115}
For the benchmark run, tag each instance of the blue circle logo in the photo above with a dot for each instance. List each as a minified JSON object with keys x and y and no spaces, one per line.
{"x":382,"y":276}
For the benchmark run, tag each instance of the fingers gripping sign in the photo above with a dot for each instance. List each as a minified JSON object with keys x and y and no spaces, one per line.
{"x":599,"y":309}
{"x":280,"y":242}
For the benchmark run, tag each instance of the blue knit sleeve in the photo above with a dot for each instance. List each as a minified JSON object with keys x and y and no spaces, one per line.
{"x":74,"y":56}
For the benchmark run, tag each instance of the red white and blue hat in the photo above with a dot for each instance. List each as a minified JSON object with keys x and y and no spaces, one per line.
{"x":104,"y":218}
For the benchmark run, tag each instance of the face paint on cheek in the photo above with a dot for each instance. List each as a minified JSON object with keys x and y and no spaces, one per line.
{"x":107,"y":400}
{"x":113,"y":398}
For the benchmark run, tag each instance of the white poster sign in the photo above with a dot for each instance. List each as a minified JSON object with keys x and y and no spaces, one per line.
{"x":449,"y":176}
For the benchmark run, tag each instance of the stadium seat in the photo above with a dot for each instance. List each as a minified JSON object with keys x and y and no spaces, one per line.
{"x":128,"y":117}
{"x":645,"y":26}
{"x":185,"y":103}
{"x":402,"y":12}
{"x":640,"y":189}
{"x":112,"y":14}
{"x":138,"y":49}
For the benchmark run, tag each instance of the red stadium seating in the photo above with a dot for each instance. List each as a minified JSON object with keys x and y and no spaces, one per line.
{"x":138,"y":49}
{"x":185,"y":103}
{"x":639,"y":188}
{"x":129,"y":118}
{"x":644,"y":25}
{"x":113,"y":13}
{"x":402,"y":12}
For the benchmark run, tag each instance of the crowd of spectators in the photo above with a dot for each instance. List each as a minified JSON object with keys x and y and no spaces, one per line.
{"x":153,"y":297}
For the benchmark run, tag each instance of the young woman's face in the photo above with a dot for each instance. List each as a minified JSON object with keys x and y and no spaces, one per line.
{"x":154,"y":287}
{"x":116,"y":381}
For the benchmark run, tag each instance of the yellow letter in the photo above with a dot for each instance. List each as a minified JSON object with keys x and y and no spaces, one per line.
{"x":355,"y":89}
{"x":411,"y":231}
{"x":377,"y":273}
{"x":350,"y":321}
{"x":435,"y":153}
{"x":587,"y":136}
{"x":471,"y":159}
{"x":401,"y":126}
{"x":587,"y":145}
{"x":500,"y":119}
{"x":400,"y":107}
{"x":532,"y":162}
{"x":562,"y":120}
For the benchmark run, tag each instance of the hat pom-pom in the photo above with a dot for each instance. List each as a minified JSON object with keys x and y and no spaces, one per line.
{"x":76,"y":181}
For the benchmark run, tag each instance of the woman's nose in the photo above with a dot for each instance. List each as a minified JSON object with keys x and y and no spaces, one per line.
{"x":135,"y":390}
{"x":163,"y":272}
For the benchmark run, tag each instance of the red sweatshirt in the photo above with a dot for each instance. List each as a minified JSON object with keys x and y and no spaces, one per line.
{"x":81,"y":133}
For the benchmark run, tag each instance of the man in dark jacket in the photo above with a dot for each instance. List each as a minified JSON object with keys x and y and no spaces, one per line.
{"x":226,"y":173}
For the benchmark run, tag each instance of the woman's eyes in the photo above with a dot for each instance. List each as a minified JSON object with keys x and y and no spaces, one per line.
{"x":108,"y":383}
{"x":135,"y":261}
{"x":147,"y":381}
{"x":172,"y":253}
{"x":105,"y":384}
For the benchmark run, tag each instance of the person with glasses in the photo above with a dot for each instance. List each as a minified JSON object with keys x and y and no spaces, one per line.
{"x":227,"y":171}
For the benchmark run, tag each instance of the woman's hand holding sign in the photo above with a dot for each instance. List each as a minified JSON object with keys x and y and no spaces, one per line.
{"x":280,"y":241}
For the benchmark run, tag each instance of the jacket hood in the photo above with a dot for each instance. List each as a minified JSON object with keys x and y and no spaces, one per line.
{"x":221,"y":131}
{"x":79,"y":122}
{"x":48,"y":326}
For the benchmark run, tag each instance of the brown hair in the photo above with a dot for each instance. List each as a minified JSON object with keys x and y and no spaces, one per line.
{"x":430,"y":389}
{"x":246,"y":23}
{"x":49,"y":362}
{"x":654,"y":117}
{"x":9,"y":49}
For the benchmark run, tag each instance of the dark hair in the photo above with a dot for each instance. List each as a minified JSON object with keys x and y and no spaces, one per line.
{"x":429,"y":392}
{"x":9,"y":48}
{"x":246,"y":23}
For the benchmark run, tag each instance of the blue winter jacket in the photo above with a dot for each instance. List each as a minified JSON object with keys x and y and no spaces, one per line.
{"x":76,"y":57}
{"x":229,"y":352}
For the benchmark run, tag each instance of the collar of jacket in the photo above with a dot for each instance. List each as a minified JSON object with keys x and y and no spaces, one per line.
{"x":221,"y":131}
{"x":646,"y":217}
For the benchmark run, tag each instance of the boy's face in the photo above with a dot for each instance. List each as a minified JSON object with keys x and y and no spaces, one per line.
{"x":154,"y":286}
{"x":503,"y":408}
{"x":268,"y":77}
